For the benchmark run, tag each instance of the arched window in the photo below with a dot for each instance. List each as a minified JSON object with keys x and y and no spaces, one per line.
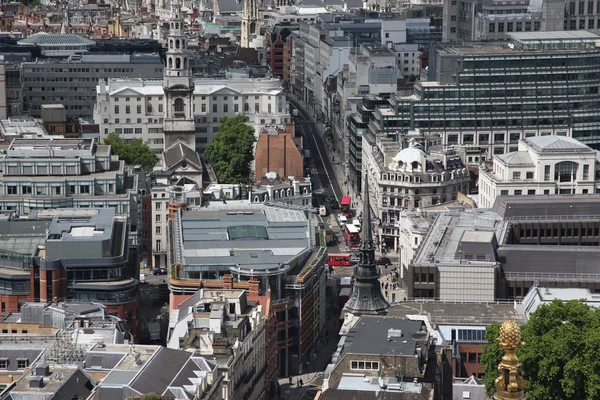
{"x":182,"y":43}
{"x":178,"y":63}
{"x":415,"y":165}
{"x":171,"y":43}
{"x":170,"y":62}
{"x":177,"y":44}
{"x":177,"y":25}
{"x":565,"y":171}
{"x":178,"y":106}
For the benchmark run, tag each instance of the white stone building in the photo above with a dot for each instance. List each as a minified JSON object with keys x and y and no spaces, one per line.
{"x":542,"y":165}
{"x":413,"y":229}
{"x":407,"y":179}
{"x":135,"y":108}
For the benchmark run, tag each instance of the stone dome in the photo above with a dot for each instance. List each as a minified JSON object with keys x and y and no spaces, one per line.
{"x":406,"y":157}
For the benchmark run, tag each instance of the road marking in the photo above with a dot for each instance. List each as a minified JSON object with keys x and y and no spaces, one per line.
{"x":319,"y":151}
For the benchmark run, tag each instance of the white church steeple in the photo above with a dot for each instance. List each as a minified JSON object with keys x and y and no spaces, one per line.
{"x":178,"y":84}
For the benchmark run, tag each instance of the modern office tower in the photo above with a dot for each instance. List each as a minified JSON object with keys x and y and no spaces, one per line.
{"x":488,"y":96}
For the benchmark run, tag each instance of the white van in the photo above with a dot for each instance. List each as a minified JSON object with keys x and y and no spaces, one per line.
{"x":343,"y":219}
{"x":356,"y":223}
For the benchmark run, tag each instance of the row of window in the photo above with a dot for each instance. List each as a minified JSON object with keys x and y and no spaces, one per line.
{"x":564,"y":232}
{"x":514,"y":26}
{"x":364,"y":365}
{"x":215,"y":109}
{"x":22,"y":363}
{"x":44,"y":190}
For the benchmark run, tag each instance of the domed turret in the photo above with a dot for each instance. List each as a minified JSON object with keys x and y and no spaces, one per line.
{"x":411,"y":158}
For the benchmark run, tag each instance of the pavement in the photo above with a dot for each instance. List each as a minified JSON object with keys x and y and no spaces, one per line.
{"x":328,"y":171}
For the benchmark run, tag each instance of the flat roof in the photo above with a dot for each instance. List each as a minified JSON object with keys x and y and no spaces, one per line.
{"x":450,"y":312}
{"x":370,"y":336}
{"x":250,"y":236}
{"x":547,"y":207}
{"x":442,"y":242}
{"x":553,"y":35}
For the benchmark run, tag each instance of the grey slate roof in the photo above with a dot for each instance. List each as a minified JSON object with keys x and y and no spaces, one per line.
{"x":180,"y":151}
{"x":158,"y":374}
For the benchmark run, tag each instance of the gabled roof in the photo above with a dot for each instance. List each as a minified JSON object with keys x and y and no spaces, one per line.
{"x":179,"y":152}
{"x":160,"y":372}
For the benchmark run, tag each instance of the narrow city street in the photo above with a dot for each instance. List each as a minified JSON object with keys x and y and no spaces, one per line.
{"x":322,"y":162}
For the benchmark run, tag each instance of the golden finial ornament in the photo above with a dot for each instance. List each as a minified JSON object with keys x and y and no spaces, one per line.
{"x":510,"y":385}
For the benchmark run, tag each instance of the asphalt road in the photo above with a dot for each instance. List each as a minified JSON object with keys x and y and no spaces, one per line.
{"x":321,"y":163}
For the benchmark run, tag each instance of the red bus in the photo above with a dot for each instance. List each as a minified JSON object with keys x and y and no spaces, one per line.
{"x":352,"y":235}
{"x":345,"y":205}
{"x":339,"y":260}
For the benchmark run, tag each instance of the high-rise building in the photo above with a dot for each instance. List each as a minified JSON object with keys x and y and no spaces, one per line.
{"x":468,"y":20}
{"x":488,"y":96}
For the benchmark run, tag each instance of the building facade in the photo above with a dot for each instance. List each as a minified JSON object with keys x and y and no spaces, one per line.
{"x":481,"y":20}
{"x":516,"y":103}
{"x":135,"y":108}
{"x":542,"y":165}
{"x":548,"y":240}
{"x":221,"y":324}
{"x":408,"y":179}
{"x":72,"y":81}
{"x":52,"y":173}
{"x":69,"y":254}
{"x":265,"y":249}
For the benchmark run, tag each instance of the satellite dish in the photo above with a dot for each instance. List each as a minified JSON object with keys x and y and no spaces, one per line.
{"x":271,"y":176}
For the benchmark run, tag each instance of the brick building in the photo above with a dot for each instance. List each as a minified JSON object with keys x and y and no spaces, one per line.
{"x":277,"y":150}
{"x":275,"y":42}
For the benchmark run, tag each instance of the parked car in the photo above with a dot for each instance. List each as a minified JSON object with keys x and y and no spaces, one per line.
{"x":160,"y":271}
{"x":384,"y":261}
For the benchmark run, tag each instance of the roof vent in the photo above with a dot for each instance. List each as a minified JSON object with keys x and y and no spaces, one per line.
{"x":36,"y":382}
{"x":42,"y":369}
{"x":394,"y":333}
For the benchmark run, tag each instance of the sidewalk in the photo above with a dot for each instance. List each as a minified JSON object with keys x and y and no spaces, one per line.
{"x":330,"y":152}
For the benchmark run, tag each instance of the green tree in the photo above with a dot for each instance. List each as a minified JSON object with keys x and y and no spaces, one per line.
{"x":492,"y":354}
{"x":150,"y":396}
{"x":561,"y":355}
{"x":231,"y":151}
{"x":136,"y":152}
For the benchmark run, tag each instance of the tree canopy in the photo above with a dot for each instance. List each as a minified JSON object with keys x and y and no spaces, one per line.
{"x":561,"y":354}
{"x":232,"y":150}
{"x":136,"y":152}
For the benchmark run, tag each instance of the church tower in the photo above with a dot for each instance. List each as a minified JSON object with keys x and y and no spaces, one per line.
{"x":366,"y":298}
{"x":178,"y":85}
{"x":250,"y":22}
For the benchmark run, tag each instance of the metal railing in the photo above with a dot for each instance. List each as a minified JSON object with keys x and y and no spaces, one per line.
{"x":552,"y":276}
{"x":555,"y":218}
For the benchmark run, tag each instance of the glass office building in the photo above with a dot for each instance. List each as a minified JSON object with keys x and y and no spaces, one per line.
{"x":488,"y":95}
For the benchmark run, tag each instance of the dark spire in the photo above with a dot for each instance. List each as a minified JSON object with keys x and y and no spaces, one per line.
{"x":366,"y":295}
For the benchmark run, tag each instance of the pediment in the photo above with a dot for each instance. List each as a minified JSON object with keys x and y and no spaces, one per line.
{"x":126,"y":91}
{"x":226,"y":91}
